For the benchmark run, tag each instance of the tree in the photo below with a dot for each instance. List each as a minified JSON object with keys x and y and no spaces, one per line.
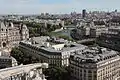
{"x":17,"y":54}
{"x":22,"y":57}
{"x":57,"y":73}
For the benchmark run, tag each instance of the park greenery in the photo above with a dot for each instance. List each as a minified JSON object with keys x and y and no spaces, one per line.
{"x":23,"y":58}
{"x":57,"y":73}
{"x":39,"y":29}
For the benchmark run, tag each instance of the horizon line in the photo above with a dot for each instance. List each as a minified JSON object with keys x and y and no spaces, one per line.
{"x":87,"y":10}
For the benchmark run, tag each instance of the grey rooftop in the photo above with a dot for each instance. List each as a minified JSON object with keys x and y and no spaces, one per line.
{"x":95,"y":55}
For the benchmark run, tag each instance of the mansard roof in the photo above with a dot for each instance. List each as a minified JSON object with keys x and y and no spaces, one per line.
{"x":2,"y":25}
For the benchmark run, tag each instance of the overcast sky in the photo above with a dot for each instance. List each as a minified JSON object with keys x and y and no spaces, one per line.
{"x":55,"y":6}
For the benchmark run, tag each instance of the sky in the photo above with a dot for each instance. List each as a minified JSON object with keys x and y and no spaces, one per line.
{"x":56,"y":6}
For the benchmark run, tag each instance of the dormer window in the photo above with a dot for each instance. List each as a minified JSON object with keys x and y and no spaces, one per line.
{"x":2,"y":29}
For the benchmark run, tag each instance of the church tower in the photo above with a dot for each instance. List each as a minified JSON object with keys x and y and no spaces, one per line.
{"x":24,"y":32}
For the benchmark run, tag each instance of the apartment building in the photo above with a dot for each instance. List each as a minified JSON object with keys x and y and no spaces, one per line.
{"x":52,"y":51}
{"x":95,"y":64}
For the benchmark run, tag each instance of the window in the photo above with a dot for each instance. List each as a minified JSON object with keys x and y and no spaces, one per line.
{"x":89,"y":71}
{"x":16,"y":33}
{"x":2,"y":29}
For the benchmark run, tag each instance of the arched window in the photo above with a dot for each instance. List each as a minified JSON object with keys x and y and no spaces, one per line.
{"x":2,"y":29}
{"x":4,"y":44}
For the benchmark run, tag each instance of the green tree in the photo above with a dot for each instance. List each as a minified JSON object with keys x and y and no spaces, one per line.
{"x":17,"y":54}
{"x":22,"y":57}
{"x":57,"y":73}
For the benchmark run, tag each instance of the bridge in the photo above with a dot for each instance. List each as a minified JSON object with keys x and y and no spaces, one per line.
{"x":86,"y":40}
{"x":70,"y":26}
{"x":24,"y":72}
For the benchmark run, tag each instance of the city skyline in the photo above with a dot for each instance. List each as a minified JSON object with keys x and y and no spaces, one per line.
{"x":55,"y":6}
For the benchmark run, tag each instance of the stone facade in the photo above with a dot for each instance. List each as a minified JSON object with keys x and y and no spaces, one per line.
{"x":110,"y":39}
{"x":11,"y":34}
{"x":6,"y":60}
{"x":95,"y":65}
{"x":24,"y":72}
{"x":55,"y":52}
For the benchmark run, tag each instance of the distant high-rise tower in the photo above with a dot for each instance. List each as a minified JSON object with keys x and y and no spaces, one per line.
{"x":116,"y":10}
{"x":83,"y":13}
